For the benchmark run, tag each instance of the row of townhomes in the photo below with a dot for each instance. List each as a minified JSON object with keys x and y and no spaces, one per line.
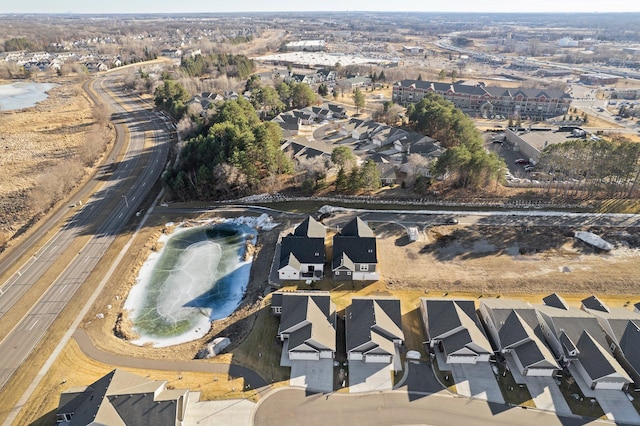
{"x":308,"y":319}
{"x":597,"y":345}
{"x":317,"y":131}
{"x":45,"y":61}
{"x":487,"y":100}
{"x":302,"y":254}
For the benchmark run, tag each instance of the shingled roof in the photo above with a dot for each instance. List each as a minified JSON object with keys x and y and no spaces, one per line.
{"x":307,"y":319}
{"x":356,"y":243}
{"x":455,"y":323}
{"x":123,"y":398}
{"x":373,"y":323}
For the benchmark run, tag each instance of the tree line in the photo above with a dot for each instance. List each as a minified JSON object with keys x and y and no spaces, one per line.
{"x":218,"y":63}
{"x":230,"y":158}
{"x":465,"y":163}
{"x":602,"y":166}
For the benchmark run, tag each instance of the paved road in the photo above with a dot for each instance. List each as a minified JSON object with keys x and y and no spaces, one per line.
{"x":292,"y":406}
{"x":102,"y":217}
{"x":86,"y":345}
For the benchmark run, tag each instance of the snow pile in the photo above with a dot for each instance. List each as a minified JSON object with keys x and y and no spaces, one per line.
{"x":594,"y":240}
{"x":263,"y":222}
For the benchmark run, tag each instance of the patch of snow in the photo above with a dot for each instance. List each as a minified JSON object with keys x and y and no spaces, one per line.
{"x":593,"y":239}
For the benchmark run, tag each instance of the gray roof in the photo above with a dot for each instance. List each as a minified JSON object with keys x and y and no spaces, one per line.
{"x":630,"y":344}
{"x":556,"y":301}
{"x":308,"y":319}
{"x":305,"y":245}
{"x":123,"y":398}
{"x":456,"y":324}
{"x":356,"y":243}
{"x":373,"y":323}
{"x":592,"y":302}
{"x":597,"y":360}
{"x":357,"y":228}
{"x":310,"y":228}
{"x":303,"y":250}
{"x":480,"y":90}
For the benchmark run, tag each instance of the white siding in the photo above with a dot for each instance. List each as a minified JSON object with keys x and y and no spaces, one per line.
{"x":540,"y":372}
{"x":354,"y":356}
{"x":453,"y":359}
{"x":289,"y":274}
{"x":610,"y":385}
{"x":378,"y":358}
{"x":483,"y":357}
{"x":326,"y":354}
{"x":309,"y":356}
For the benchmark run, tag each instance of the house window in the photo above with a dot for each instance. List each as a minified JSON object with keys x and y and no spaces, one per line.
{"x":277,"y":309}
{"x":311,"y":268}
{"x":348,"y":272}
{"x":364,"y":267}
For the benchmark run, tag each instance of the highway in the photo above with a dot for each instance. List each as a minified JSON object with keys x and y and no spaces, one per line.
{"x":101,"y":218}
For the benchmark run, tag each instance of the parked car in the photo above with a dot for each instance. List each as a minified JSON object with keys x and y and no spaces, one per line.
{"x":522,"y":161}
{"x":452,"y":221}
{"x":529,"y":168}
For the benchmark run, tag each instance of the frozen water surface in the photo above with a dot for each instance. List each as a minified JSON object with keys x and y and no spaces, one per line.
{"x":200,"y":275}
{"x":22,"y":95}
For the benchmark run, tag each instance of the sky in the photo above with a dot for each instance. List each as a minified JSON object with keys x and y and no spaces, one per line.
{"x":213,"y":6}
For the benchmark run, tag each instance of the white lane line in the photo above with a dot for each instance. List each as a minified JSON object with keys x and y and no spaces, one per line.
{"x":33,"y":325}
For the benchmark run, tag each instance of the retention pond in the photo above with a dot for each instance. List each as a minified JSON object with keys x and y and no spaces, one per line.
{"x":199,"y":275}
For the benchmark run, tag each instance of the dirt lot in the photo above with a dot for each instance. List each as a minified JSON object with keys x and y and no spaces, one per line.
{"x":510,"y":260}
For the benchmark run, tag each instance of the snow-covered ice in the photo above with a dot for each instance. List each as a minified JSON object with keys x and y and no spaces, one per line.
{"x":200,"y":275}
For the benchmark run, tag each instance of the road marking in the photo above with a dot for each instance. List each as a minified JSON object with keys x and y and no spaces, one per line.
{"x":33,"y":325}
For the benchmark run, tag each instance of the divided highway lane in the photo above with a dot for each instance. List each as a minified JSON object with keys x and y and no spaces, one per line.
{"x":37,"y":265}
{"x":128,"y":192}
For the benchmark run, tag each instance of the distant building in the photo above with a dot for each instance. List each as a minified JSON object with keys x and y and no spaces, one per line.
{"x":599,"y":79}
{"x":487,"y":100}
{"x":412,"y":50}
{"x":567,"y":42}
{"x":306,"y":46}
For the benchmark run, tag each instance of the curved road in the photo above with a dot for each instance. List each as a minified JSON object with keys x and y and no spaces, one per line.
{"x":102,"y":218}
{"x":86,"y":346}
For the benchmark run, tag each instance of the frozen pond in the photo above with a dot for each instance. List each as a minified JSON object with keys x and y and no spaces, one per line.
{"x":23,"y":95}
{"x":200,"y":275}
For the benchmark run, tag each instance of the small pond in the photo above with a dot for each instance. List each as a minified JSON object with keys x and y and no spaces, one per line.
{"x":23,"y":95}
{"x":200,"y":275}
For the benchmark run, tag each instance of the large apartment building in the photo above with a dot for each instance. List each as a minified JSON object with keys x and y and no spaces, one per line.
{"x":485,"y":100}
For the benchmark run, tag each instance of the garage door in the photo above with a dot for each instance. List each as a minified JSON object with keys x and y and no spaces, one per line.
{"x":461,"y":359}
{"x":305,"y":356}
{"x":539,"y":372}
{"x":378,"y":358}
{"x":609,"y":385}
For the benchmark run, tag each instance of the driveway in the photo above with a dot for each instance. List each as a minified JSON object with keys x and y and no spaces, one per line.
{"x":228,"y":412}
{"x":369,"y":377}
{"x":545,"y":392}
{"x":312,"y":375}
{"x":476,"y":381}
{"x":547,"y":395}
{"x":420,"y":379}
{"x":614,"y":403}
